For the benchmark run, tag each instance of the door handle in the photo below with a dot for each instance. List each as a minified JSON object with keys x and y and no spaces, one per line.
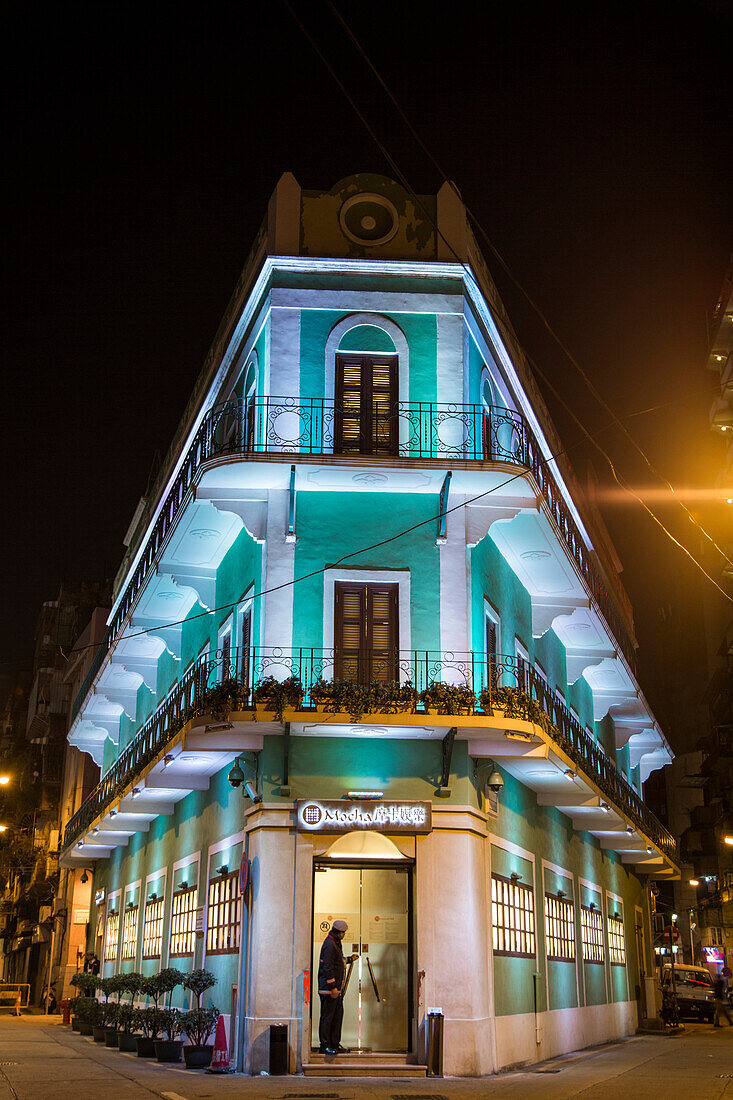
{"x":345,"y":986}
{"x":374,"y":980}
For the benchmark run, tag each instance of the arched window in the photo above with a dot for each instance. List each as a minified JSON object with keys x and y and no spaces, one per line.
{"x":366,"y":393}
{"x":367,"y":384}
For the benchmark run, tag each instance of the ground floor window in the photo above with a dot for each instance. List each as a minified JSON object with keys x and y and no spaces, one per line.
{"x":616,"y":944}
{"x":223,"y":916}
{"x":153,"y":929}
{"x":559,"y":928}
{"x":129,"y":933}
{"x":183,"y":922}
{"x":112,"y":933}
{"x":591,"y":924}
{"x":512,"y":915}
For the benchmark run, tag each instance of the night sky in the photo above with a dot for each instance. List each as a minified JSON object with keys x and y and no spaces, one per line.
{"x":141,"y":145}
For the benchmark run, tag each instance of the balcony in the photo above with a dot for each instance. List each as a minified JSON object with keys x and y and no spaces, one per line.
{"x":499,"y":703}
{"x":284,"y":427}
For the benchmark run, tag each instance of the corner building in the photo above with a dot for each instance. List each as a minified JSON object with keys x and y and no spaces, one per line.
{"x":364,"y":585}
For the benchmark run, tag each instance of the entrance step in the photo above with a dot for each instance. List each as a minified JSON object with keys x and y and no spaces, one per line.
{"x":363,"y":1065}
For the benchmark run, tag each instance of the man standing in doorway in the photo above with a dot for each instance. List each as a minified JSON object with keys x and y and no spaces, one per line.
{"x":331,"y":970}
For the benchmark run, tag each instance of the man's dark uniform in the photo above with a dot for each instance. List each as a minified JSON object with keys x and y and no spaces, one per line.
{"x":331,"y":970}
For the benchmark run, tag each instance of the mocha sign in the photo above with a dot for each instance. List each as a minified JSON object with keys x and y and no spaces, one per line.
{"x":318,"y":815}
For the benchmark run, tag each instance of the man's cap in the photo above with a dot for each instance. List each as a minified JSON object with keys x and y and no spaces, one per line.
{"x":340,"y":926}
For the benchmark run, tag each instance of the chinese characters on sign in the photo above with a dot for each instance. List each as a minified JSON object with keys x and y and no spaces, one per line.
{"x":342,"y":816}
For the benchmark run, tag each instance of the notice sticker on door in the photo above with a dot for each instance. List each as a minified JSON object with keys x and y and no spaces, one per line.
{"x":386,"y":927}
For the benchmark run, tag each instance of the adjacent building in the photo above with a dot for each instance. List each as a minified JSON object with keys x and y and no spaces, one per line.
{"x":370,"y":657}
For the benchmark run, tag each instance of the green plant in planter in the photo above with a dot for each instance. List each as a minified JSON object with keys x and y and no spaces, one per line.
{"x":222,"y":698}
{"x":171,"y":1022}
{"x":276,"y":695}
{"x":198,"y":981}
{"x":143,"y":1022}
{"x":448,"y":698}
{"x":199,"y":1024}
{"x":151,"y":1021}
{"x":86,"y":983}
{"x":94,"y":1012}
{"x":162,"y":983}
{"x":125,"y":1014}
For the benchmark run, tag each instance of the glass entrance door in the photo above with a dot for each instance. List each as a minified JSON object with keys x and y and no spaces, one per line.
{"x":374,"y":902}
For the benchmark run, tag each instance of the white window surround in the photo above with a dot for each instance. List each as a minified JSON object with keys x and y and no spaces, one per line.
{"x":400,"y":577}
{"x":114,"y":901}
{"x":376,"y":320}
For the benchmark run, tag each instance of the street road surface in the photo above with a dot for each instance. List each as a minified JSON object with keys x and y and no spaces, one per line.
{"x":41,"y":1060}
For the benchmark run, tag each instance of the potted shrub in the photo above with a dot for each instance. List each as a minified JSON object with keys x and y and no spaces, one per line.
{"x":143,"y":1022}
{"x":131,"y":984}
{"x":96,"y":1019}
{"x":168,"y":1049}
{"x":440,"y":698}
{"x":72,"y":1010}
{"x":86,"y":1010}
{"x":199,"y":1023}
{"x":276,"y":695}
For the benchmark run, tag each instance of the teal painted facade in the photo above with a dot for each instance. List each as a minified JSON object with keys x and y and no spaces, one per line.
{"x":273,"y":518}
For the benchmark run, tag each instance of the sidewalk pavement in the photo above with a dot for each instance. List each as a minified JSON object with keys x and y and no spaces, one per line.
{"x":41,"y":1060}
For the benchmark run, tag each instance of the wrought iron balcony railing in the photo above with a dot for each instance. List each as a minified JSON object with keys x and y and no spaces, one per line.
{"x":425,"y":431}
{"x":468,"y":683}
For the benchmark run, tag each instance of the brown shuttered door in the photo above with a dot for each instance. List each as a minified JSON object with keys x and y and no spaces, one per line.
{"x":366,"y":396}
{"x":365,"y":628}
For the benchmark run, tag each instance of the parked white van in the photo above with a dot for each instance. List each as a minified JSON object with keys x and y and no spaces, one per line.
{"x":694,"y":988}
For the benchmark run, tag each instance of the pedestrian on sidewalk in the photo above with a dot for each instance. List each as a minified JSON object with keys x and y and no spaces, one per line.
{"x":721,"y":1003}
{"x":331,"y":971}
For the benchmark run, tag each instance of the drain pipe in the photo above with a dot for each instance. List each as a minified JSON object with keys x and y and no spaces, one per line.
{"x":537,"y":1031}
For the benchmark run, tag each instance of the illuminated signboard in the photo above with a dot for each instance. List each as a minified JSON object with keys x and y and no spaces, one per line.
{"x":319,"y":815}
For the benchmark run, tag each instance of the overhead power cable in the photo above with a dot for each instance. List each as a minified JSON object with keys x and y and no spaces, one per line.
{"x":346,"y":557}
{"x":505,"y":267}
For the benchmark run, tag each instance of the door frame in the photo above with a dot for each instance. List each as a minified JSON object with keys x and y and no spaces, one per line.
{"x":409,"y":865}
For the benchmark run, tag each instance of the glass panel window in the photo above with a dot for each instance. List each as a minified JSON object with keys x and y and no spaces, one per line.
{"x":512,"y":916}
{"x":223,"y":916}
{"x":559,"y":928}
{"x":183,"y":922}
{"x":129,"y":933}
{"x":153,"y":929}
{"x":616,"y":944}
{"x":112,"y":934}
{"x":591,"y":928}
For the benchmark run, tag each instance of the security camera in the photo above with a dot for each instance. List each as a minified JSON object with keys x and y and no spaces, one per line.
{"x":495,"y":782}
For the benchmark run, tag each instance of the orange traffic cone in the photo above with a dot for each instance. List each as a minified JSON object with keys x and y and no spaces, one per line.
{"x":220,"y":1057}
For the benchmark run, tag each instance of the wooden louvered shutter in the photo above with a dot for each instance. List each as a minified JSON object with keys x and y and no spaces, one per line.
{"x":491,"y":667}
{"x":244,"y":651}
{"x":381,"y":606}
{"x":365,"y":628}
{"x":366,"y":394}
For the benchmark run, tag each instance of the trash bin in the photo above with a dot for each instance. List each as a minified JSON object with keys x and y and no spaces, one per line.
{"x":65,"y":1010}
{"x":278,"y":1050}
{"x":435,"y":1044}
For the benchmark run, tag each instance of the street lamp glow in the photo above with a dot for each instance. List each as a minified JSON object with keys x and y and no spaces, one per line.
{"x":4,"y":779}
{"x":3,"y":828}
{"x":729,"y":841}
{"x":694,"y":882}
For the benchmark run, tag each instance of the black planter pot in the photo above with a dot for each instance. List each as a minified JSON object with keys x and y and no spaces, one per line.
{"x":110,"y":1036}
{"x":127,"y":1042}
{"x":144,"y":1046}
{"x":168,"y":1050}
{"x":75,"y":1023}
{"x":99,"y":1033}
{"x":84,"y":1028}
{"x":197,"y":1057}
